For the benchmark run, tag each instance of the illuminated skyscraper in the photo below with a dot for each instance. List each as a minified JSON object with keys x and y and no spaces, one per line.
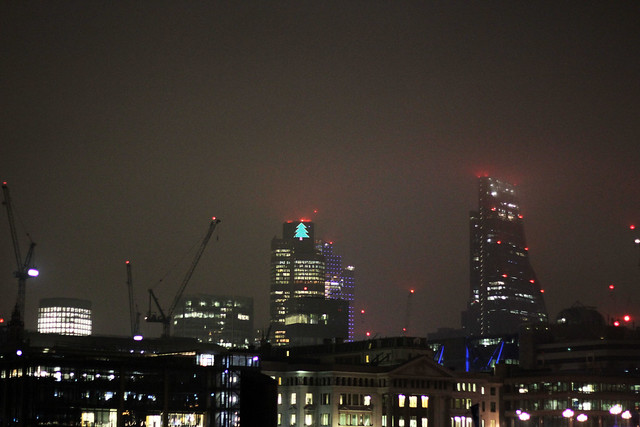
{"x":339,"y":282}
{"x":64,"y":316}
{"x":504,"y":290}
{"x":302,"y":311}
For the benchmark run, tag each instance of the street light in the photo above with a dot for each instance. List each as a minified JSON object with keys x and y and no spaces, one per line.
{"x":626,"y":415}
{"x":524,"y":416}
{"x":568,"y":413}
{"x":615,"y":410}
{"x":582,"y":418}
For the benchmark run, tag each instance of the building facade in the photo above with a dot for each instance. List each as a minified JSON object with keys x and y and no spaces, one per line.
{"x":64,"y":316}
{"x":95,"y":381}
{"x":391,"y":382}
{"x":504,"y":290}
{"x":305,"y":307}
{"x":219,"y":319}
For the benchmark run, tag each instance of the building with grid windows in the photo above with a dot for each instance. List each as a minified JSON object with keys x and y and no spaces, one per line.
{"x":504,"y":290}
{"x":309,"y":300}
{"x":219,"y":319}
{"x":64,"y":316}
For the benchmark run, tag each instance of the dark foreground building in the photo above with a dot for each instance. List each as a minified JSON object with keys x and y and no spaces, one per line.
{"x":106,"y":381}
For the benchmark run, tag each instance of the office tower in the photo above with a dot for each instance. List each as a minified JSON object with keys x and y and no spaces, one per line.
{"x":339,"y":282}
{"x":219,"y":319}
{"x":64,"y":316}
{"x":504,"y":291}
{"x":301,"y":313}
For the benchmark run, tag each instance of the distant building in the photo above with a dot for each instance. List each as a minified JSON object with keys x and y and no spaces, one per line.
{"x":64,"y":316}
{"x":311,"y":296}
{"x":219,"y":319}
{"x":340,"y":282}
{"x":504,"y":290}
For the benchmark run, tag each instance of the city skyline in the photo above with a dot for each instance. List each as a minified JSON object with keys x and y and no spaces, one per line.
{"x":125,"y":129}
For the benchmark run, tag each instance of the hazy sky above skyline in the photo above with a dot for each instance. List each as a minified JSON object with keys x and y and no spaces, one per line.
{"x":126,"y":126}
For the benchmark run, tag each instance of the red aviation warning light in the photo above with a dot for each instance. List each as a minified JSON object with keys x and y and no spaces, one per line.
{"x":616,"y":323}
{"x":542,"y":291}
{"x":632,"y":227}
{"x":362,"y":311}
{"x":626,"y":318}
{"x":412,"y":291}
{"x":368,"y":333}
{"x":611,"y":287}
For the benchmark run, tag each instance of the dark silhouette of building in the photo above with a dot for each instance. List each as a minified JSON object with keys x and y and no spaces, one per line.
{"x":504,"y":291}
{"x":50,"y":379}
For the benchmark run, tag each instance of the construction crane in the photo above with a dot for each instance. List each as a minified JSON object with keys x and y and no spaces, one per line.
{"x":24,"y":268}
{"x":165,"y":318}
{"x":407,"y":320}
{"x":134,"y":315}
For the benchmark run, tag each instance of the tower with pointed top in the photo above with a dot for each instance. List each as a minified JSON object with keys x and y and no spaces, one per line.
{"x":504,"y":291}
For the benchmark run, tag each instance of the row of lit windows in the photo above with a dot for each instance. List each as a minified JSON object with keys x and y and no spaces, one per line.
{"x":413,"y":401}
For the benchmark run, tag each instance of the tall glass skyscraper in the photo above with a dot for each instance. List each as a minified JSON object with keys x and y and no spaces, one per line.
{"x":504,"y":291}
{"x":305,"y":307}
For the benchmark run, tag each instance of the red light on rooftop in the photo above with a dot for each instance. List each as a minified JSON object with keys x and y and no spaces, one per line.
{"x":493,"y":209}
{"x":1,"y":320}
{"x":368,"y":334}
{"x":404,"y":329}
{"x":626,"y":318}
{"x":126,"y":262}
{"x":412,"y":290}
{"x":213,"y":218}
{"x":520,"y":216}
{"x":504,"y":275}
{"x":616,"y":323}
{"x":526,"y":248}
{"x":305,"y":288}
{"x":532,"y":281}
{"x":362,"y":311}
{"x":632,"y":227}
{"x":611,"y":287}
{"x":499,"y":242}
{"x":4,"y":182}
{"x":542,"y":291}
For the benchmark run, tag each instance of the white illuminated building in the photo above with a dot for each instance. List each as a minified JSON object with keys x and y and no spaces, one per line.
{"x":64,"y":316}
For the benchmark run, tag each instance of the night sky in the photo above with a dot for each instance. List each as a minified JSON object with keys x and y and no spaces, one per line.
{"x":126,"y":126}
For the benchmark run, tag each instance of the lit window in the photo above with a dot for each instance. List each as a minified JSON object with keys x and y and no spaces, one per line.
{"x":293,"y":399}
{"x":413,"y":401}
{"x":401,"y":399}
{"x":424,"y":400}
{"x":308,"y":399}
{"x":279,"y":398}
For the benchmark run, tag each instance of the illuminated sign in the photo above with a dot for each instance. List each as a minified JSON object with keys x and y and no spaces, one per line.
{"x":301,"y":232}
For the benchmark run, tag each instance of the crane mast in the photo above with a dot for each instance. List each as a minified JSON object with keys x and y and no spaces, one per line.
{"x":133,"y":314}
{"x":165,"y":318}
{"x":24,"y":269}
